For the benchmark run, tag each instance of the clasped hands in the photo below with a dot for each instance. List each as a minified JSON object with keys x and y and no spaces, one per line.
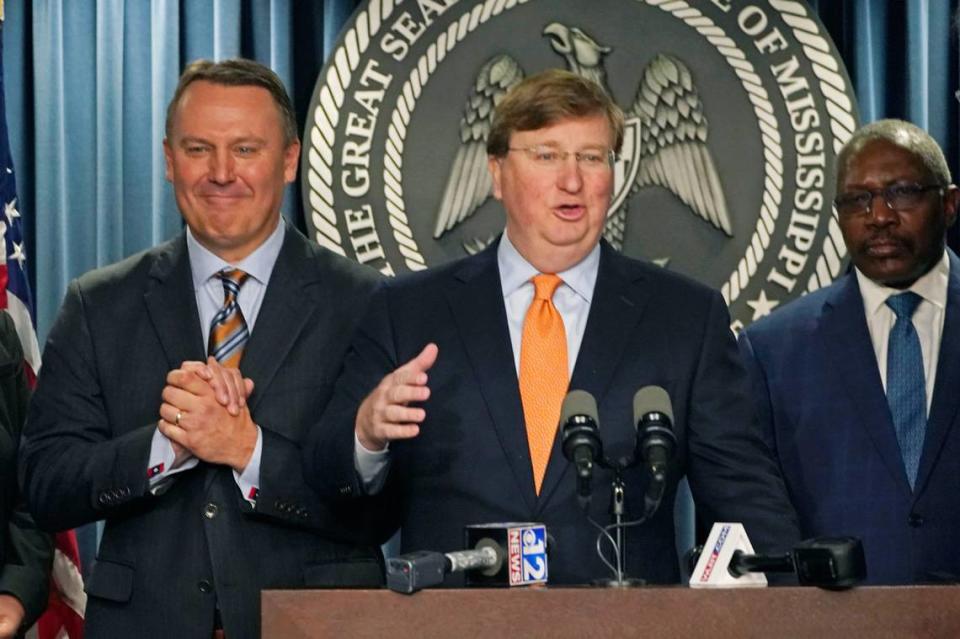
{"x":204,"y":413}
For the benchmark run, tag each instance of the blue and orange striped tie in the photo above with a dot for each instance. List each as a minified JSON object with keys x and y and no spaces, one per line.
{"x":228,"y":330}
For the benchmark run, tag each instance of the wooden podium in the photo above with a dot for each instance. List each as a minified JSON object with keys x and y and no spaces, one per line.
{"x":901,"y":613}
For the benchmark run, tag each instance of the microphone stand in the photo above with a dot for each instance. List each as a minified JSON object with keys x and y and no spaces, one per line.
{"x":617,"y":509}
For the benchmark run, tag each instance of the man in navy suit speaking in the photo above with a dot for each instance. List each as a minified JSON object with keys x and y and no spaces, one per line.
{"x":857,"y":384}
{"x":450,"y":396}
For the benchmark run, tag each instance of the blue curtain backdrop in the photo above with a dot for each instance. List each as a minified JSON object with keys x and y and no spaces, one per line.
{"x":87,"y":85}
{"x":88,"y":82}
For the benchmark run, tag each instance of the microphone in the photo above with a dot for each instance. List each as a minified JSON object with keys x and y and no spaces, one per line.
{"x":506,"y":554}
{"x":653,"y":416}
{"x":580,"y":438}
{"x":830,"y":562}
{"x":424,"y":568}
{"x":827,"y":562}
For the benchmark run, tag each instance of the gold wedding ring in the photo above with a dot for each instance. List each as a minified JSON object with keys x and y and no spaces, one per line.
{"x":176,"y":421}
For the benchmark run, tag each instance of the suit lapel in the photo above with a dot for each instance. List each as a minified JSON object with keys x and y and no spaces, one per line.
{"x":476,"y":302}
{"x":172,"y":305}
{"x":946,"y":398}
{"x":286,"y":308}
{"x":617,"y":305}
{"x":846,"y":340}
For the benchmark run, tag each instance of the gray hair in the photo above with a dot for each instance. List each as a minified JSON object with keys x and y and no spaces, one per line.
{"x":904,"y":134}
{"x":237,"y":72}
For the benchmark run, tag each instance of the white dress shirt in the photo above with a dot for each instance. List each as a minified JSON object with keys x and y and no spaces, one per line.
{"x":204,"y":266}
{"x":572,"y":300}
{"x":927,"y":319}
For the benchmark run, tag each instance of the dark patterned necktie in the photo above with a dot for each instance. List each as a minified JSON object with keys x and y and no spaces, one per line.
{"x":228,"y":330}
{"x":906,"y":388}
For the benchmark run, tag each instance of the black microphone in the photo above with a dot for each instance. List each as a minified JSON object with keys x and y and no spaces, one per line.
{"x":424,"y":568}
{"x":502,"y":554}
{"x":653,"y":416}
{"x":834,"y":563}
{"x":580,"y":438}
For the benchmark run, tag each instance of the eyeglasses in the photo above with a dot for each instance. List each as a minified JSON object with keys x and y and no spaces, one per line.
{"x":549,"y":157}
{"x":899,"y":197}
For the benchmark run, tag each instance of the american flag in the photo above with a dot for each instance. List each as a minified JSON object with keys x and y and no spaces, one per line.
{"x":64,"y":615}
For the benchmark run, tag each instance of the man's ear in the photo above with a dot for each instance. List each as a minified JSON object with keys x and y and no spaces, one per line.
{"x":951,"y":202}
{"x":168,"y":159}
{"x":291,"y":157}
{"x":493,"y":165}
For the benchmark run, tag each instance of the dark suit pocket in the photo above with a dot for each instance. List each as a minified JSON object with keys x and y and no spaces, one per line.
{"x":353,"y":573}
{"x":111,"y":580}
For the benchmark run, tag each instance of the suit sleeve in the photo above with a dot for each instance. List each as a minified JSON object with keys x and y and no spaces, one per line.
{"x":288,"y":489}
{"x":329,"y":453}
{"x":75,"y":469}
{"x":27,"y":552}
{"x":759,"y":391}
{"x":733,"y":476}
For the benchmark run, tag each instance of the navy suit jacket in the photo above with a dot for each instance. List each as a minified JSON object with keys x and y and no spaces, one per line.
{"x":167,"y":561}
{"x":471,"y":464}
{"x":822,"y":405}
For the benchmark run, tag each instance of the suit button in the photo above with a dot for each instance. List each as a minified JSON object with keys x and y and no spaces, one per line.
{"x":210,"y":510}
{"x":915,"y":520}
{"x":205,"y":586}
{"x":103,"y":499}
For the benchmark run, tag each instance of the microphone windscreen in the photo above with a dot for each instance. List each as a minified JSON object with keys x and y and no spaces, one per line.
{"x":578,"y":402}
{"x":651,"y":399}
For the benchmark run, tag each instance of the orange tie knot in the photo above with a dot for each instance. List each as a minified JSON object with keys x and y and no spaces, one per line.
{"x":546,"y":285}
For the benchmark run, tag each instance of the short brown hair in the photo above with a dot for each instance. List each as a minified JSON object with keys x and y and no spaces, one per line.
{"x":237,"y":72}
{"x":546,"y":98}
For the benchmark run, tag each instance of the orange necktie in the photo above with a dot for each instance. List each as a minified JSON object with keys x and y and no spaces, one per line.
{"x":543,"y":372}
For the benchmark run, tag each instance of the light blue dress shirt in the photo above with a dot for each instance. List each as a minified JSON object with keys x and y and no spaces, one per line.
{"x":572,"y":300}
{"x":204,"y":265}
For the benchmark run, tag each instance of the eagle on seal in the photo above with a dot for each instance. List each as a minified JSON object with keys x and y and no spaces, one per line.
{"x":673,"y":137}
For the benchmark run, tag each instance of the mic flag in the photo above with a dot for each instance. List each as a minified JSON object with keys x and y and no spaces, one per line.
{"x":524,"y":547}
{"x":507,"y":554}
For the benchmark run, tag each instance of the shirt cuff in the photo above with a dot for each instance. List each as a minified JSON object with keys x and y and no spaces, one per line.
{"x":371,"y":465}
{"x":162,"y":459}
{"x":249,"y":479}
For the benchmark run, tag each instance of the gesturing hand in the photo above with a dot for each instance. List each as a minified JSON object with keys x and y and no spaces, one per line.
{"x":385,"y":415}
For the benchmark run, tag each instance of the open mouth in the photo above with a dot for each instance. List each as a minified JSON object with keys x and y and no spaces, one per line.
{"x":570,"y":211}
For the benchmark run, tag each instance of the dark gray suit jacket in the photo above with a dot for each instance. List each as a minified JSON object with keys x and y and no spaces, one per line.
{"x":25,"y":551}
{"x":471,"y":463}
{"x":166,"y":562}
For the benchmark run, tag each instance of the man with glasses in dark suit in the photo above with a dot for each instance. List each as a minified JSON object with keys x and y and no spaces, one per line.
{"x":450,"y":398}
{"x":856,"y":384}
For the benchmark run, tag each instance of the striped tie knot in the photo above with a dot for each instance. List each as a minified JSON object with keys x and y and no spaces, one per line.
{"x":228,"y":330}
